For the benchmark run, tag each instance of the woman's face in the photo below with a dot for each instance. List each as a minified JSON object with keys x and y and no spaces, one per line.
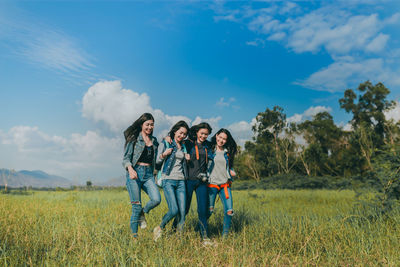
{"x":202,"y":135}
{"x":147,"y":127}
{"x":221,"y":139}
{"x":180,"y":134}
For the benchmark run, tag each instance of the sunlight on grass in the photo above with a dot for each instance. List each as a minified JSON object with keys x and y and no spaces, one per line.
{"x":280,"y":227}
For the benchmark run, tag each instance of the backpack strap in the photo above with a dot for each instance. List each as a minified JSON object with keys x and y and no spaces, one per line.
{"x":184,"y":148}
{"x":198,"y":154}
{"x":167,"y":145}
{"x":159,"y":174}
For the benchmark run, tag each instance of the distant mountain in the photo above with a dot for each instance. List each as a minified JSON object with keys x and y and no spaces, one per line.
{"x":35,"y":178}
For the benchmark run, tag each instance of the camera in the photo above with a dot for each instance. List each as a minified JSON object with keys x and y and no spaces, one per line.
{"x":202,"y":177}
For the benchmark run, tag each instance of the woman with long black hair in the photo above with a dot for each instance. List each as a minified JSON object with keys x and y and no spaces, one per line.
{"x":139,"y":161}
{"x":220,"y":169}
{"x":172,"y":177}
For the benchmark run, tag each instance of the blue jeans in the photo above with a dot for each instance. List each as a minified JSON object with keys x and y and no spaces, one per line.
{"x":175,"y":195}
{"x":146,"y":182}
{"x":202,"y":203}
{"x":228,"y":206}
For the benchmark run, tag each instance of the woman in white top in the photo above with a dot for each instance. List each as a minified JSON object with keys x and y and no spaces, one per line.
{"x":220,"y":169}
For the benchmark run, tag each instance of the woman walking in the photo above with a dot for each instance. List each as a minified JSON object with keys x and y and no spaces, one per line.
{"x":220,"y":169}
{"x":172,"y":175}
{"x":198,"y":148}
{"x":139,"y":161}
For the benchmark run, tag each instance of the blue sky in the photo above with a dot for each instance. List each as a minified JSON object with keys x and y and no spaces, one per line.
{"x":74,"y":75}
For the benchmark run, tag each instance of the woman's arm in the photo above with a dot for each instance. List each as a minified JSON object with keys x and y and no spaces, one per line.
{"x":132,"y":172}
{"x":126,"y":161}
{"x":164,"y":153}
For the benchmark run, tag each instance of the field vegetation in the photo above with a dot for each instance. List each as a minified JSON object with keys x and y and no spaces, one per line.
{"x":270,"y":227}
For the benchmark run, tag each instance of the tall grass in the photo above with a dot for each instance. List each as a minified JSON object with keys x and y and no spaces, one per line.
{"x":279,"y":227}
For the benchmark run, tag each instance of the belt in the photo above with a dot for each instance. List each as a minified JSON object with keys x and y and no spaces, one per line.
{"x":224,"y":186}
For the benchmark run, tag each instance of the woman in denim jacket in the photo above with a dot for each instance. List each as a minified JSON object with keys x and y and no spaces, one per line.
{"x":139,"y":161}
{"x":220,"y":170}
{"x":172,"y":175}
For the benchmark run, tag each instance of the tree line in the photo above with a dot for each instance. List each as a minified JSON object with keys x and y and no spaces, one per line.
{"x":318,"y":147}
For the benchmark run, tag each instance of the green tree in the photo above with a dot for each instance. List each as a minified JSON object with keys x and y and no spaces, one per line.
{"x":368,"y":110}
{"x":267,"y":129}
{"x":324,"y":144}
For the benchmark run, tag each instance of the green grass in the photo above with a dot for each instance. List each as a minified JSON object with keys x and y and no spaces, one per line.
{"x":279,"y":227}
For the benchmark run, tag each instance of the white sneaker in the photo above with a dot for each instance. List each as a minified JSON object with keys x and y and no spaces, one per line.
{"x":157,"y":232}
{"x":207,"y":242}
{"x":142,"y":221}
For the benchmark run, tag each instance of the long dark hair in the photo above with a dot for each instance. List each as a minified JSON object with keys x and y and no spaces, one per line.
{"x":195,"y":128}
{"x":230,"y":144}
{"x":132,"y":132}
{"x":176,"y":127}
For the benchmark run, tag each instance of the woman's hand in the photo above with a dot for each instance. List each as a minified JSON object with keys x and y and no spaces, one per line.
{"x":167,"y":152}
{"x":232,"y":172}
{"x":132,"y":173}
{"x":187,"y":156}
{"x":168,"y":139}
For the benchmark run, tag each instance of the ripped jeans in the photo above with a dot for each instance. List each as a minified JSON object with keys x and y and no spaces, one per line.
{"x":146,"y":182}
{"x":228,"y":207}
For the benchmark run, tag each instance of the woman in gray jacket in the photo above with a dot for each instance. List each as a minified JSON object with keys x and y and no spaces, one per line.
{"x":139,"y":161}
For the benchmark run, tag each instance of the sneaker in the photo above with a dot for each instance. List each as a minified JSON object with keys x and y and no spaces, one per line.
{"x":142,"y":221}
{"x":157,"y":232}
{"x":207,"y":242}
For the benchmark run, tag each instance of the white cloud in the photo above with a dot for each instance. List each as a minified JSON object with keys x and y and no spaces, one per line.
{"x":337,"y":34}
{"x":228,"y":17}
{"x":110,"y":103}
{"x":345,"y":73}
{"x":77,"y":155}
{"x":225,"y":103}
{"x":394,"y":113}
{"x":395,"y":18}
{"x":289,"y":7}
{"x":42,"y":45}
{"x":256,"y":42}
{"x":279,"y":36}
{"x":335,"y":28}
{"x":378,"y":43}
{"x":242,"y":131}
{"x":307,"y":114}
{"x":214,"y":122}
{"x":331,"y":28}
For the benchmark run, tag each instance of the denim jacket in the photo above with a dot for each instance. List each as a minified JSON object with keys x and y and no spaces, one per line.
{"x":132,"y":154}
{"x":169,"y":161}
{"x":210,"y":165}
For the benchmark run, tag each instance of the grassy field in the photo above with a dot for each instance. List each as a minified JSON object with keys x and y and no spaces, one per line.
{"x":279,"y":227}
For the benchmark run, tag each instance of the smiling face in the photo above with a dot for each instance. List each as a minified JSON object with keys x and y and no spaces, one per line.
{"x":202,"y":135}
{"x":221,"y":139}
{"x":147,"y":127}
{"x":180,"y":134}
